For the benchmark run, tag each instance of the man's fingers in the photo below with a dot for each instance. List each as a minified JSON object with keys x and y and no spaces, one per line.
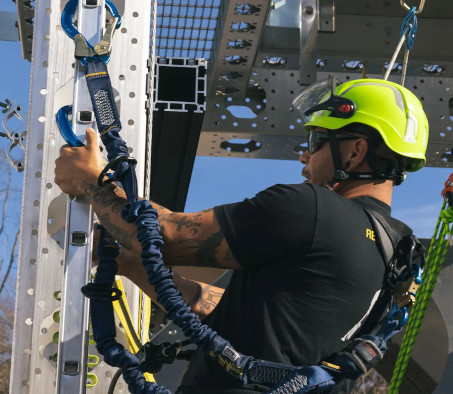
{"x":91,"y":138}
{"x":63,"y":148}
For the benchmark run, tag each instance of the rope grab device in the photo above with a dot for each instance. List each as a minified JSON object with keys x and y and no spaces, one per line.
{"x":362,"y":353}
{"x":407,"y":34}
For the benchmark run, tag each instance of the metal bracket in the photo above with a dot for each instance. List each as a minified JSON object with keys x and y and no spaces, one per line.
{"x":326,"y":16}
{"x":323,"y":13}
{"x":308,"y":35}
{"x":11,"y":111}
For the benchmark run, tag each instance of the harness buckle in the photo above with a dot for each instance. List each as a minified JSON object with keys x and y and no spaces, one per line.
{"x":406,"y":289}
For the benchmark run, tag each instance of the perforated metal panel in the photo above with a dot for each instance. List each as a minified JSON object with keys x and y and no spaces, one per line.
{"x":185,"y":28}
{"x":353,"y":40}
{"x":40,"y":270}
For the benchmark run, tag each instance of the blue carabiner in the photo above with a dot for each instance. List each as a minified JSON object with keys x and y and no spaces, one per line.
{"x":417,"y":271}
{"x":64,"y":125}
{"x":67,"y":23}
{"x":67,"y":17}
{"x":409,"y":27}
{"x":400,"y":314}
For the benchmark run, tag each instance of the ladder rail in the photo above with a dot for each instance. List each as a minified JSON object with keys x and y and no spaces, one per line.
{"x":41,"y":260}
{"x":74,"y":323}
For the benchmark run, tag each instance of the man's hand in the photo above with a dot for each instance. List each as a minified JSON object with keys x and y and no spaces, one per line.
{"x":77,"y":168}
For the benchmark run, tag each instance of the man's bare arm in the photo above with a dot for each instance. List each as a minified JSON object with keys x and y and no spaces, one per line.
{"x":206,"y":299}
{"x":193,"y":239}
{"x":201,"y":297}
{"x":190,"y":238}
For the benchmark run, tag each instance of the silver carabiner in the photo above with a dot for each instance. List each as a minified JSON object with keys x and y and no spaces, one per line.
{"x":419,"y":9}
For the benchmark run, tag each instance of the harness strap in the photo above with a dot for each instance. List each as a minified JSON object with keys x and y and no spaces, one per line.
{"x":305,"y":380}
{"x":396,"y":316}
{"x":102,"y":96}
{"x":384,"y":240}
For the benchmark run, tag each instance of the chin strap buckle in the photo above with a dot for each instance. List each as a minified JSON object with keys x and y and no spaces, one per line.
{"x":340,"y":175}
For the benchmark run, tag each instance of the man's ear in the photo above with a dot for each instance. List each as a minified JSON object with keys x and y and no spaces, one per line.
{"x":355,"y":155}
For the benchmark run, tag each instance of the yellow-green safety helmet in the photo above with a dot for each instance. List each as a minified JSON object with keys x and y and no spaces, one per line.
{"x":391,"y":109}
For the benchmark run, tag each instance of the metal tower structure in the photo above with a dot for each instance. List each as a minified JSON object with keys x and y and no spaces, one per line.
{"x":260,"y":54}
{"x":48,"y":291}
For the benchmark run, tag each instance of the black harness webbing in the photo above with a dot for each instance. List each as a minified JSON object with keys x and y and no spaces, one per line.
{"x":384,"y":241}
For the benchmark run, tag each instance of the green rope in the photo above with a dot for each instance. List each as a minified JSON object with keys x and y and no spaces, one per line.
{"x":436,"y":256}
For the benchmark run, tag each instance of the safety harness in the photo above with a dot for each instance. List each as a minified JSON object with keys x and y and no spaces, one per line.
{"x":361,"y":354}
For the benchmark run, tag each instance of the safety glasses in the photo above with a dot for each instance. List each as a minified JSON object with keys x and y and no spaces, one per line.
{"x":320,"y":96}
{"x":316,"y":138}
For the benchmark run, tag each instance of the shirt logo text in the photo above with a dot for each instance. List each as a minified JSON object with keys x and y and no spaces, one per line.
{"x":370,"y":234}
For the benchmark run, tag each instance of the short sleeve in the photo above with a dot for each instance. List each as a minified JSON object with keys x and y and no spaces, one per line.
{"x":273,"y":227}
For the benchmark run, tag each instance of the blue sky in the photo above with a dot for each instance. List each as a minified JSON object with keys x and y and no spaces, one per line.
{"x":220,"y":180}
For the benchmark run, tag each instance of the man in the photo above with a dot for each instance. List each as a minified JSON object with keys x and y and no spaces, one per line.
{"x":307,"y":267}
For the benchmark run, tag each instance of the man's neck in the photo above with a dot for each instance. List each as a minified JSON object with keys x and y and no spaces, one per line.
{"x":381,"y":190}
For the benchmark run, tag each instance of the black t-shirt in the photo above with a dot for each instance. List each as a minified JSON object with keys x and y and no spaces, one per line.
{"x":310,"y":270}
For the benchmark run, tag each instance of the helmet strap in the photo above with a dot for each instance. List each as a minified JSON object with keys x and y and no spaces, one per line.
{"x":340,"y":174}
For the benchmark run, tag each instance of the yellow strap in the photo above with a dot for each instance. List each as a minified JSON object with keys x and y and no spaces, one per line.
{"x":330,"y":365}
{"x":144,"y":322}
{"x":96,"y":74}
{"x":123,"y":312}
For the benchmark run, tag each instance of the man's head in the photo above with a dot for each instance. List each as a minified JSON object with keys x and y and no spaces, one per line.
{"x":378,"y":121}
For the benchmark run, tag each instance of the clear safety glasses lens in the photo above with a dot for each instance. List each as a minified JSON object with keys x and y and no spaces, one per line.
{"x":320,"y":97}
{"x":311,"y":96}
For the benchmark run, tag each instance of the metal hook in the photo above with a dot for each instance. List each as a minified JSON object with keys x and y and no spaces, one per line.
{"x":419,"y":9}
{"x":83,"y":48}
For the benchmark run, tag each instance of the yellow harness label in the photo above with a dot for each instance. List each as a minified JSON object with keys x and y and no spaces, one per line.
{"x":226,"y":364}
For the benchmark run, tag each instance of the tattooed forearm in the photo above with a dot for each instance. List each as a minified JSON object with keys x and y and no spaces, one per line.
{"x":210,"y":297}
{"x":122,"y":236}
{"x":182,"y":222}
{"x":107,"y":197}
{"x":205,"y":299}
{"x":203,"y":252}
